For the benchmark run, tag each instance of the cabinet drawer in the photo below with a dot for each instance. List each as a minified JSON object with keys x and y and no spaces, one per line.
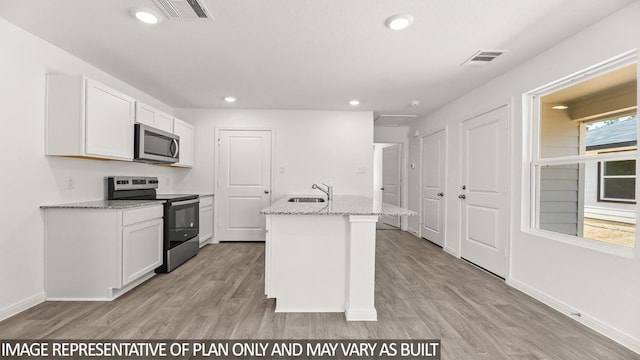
{"x":206,"y":201}
{"x":142,"y":214}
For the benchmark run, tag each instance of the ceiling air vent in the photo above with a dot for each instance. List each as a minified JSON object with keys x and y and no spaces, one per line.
{"x":184,"y":9}
{"x":483,"y":57}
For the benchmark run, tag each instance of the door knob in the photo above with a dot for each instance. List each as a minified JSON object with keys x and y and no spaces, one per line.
{"x":441,"y":194}
{"x":462,"y":196}
{"x":266,"y":191}
{"x":381,"y":188}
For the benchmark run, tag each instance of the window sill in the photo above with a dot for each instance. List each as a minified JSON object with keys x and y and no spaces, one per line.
{"x":595,"y":245}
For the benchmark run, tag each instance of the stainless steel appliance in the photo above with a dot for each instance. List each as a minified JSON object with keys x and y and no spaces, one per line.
{"x":155,"y":146}
{"x":181,"y":216}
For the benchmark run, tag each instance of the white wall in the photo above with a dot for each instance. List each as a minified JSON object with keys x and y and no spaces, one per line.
{"x":30,"y":179}
{"x":604,"y":288}
{"x":414,"y":157}
{"x":310,"y":146}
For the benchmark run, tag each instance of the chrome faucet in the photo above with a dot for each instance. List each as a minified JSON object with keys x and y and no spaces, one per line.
{"x":329,"y":190}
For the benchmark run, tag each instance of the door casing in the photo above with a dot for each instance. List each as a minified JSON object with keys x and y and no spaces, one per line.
{"x":508,"y":158}
{"x":216,"y":203}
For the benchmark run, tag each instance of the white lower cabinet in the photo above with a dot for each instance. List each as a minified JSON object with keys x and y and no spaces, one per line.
{"x":141,"y":250}
{"x":206,"y":219}
{"x":100,"y":253}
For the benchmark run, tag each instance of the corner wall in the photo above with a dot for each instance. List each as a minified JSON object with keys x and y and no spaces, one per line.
{"x":604,"y":288}
{"x":29,"y":178}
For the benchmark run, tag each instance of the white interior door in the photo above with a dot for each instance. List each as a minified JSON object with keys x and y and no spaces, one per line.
{"x":243,"y":185}
{"x":483,"y":193}
{"x":391,"y":158}
{"x":433,"y":182}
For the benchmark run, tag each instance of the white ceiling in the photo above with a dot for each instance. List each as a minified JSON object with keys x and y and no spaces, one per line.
{"x":308,"y":54}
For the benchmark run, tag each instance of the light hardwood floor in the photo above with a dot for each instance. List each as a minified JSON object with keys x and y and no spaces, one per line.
{"x":421,"y":293}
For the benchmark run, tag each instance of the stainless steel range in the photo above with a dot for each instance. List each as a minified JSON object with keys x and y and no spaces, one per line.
{"x":181,"y":216}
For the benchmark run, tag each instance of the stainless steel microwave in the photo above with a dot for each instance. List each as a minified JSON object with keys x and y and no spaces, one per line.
{"x":155,"y":146}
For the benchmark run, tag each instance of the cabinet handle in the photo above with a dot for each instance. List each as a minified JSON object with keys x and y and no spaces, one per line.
{"x":266,"y":191}
{"x":462,"y":196}
{"x":441,"y":194}
{"x":174,"y":143}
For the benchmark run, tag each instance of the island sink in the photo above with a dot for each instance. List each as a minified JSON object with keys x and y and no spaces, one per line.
{"x":306,"y":199}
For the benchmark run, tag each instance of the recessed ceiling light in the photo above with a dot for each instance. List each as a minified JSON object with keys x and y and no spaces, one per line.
{"x":145,"y":15}
{"x":398,"y":21}
{"x":560,"y":107}
{"x":230,"y":99}
{"x":354,"y":102}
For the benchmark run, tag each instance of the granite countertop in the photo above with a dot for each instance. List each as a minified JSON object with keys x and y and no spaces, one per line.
{"x":206,"y":195}
{"x":340,"y":205}
{"x":104,"y":204}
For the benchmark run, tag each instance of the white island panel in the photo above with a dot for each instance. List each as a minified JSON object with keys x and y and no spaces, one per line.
{"x":308,"y":256}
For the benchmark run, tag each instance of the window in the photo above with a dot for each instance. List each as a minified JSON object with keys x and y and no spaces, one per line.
{"x":583,"y":159}
{"x":617,"y":181}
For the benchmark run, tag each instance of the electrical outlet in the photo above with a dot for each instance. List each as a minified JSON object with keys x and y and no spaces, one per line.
{"x":69,"y":183}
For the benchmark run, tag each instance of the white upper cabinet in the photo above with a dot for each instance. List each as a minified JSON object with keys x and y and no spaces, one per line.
{"x":153,"y":117}
{"x":88,"y":119}
{"x":185,"y":131}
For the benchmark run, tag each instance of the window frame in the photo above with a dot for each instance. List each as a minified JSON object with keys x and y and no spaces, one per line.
{"x":532,"y":161}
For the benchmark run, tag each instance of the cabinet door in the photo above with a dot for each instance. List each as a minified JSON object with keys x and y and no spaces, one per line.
{"x":185,"y":131}
{"x":141,"y":249}
{"x":164,"y":122}
{"x":206,"y":223}
{"x":145,"y":114}
{"x":108,"y":122}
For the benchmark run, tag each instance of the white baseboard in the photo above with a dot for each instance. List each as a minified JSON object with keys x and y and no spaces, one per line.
{"x":413,"y":232}
{"x":450,"y":251}
{"x":21,"y":306}
{"x":361,"y":315}
{"x":614,"y":334}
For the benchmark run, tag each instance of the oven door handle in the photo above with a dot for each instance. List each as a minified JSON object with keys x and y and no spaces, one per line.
{"x":184,"y":202}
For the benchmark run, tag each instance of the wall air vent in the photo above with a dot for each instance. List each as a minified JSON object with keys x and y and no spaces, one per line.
{"x":483,"y":57}
{"x":393,"y":120}
{"x":183,"y":9}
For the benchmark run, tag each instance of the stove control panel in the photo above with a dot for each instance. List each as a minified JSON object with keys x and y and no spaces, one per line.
{"x":119,"y":183}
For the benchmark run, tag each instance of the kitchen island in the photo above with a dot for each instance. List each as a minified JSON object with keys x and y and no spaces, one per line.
{"x":320,"y":257}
